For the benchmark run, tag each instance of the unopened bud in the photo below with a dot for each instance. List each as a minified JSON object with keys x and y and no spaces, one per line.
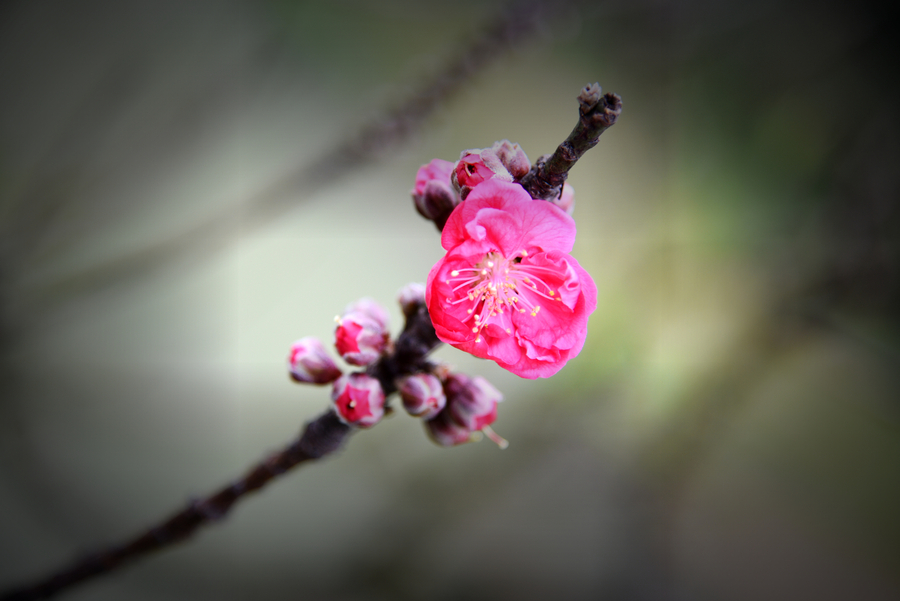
{"x":443,"y":430}
{"x":477,"y":166}
{"x":566,"y":201}
{"x":359,"y":339}
{"x":433,"y":194}
{"x":371,"y":309}
{"x":411,"y":297}
{"x":513,"y":158}
{"x":472,"y":402}
{"x":309,"y":363}
{"x":358,"y":400}
{"x":422,"y":394}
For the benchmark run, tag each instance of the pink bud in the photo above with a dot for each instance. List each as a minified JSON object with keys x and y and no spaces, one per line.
{"x":477,"y":166}
{"x":433,"y":195}
{"x":370,"y":309}
{"x":446,"y":432}
{"x":437,"y":170}
{"x":513,"y":158}
{"x":472,"y":402}
{"x":358,"y":400}
{"x":308,"y":362}
{"x":566,"y":201}
{"x":422,"y":394}
{"x":410,"y":297}
{"x":359,"y":339}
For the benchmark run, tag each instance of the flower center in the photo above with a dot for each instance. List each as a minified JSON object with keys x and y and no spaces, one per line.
{"x":496,"y":284}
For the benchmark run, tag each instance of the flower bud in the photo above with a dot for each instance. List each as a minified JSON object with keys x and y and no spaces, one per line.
{"x":433,"y":195}
{"x":513,"y":158}
{"x":437,"y":170}
{"x":566,"y":201}
{"x":446,"y":432}
{"x":308,"y":362}
{"x":422,"y":394}
{"x":411,"y":297}
{"x":359,"y":339}
{"x":475,"y":167}
{"x":358,"y":400}
{"x":472,"y":402}
{"x":437,"y":202}
{"x":370,"y":309}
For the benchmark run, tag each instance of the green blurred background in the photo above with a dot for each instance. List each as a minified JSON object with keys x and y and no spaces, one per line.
{"x":730,"y":431}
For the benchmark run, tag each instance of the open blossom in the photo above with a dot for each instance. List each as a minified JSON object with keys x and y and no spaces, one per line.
{"x":507,"y":289}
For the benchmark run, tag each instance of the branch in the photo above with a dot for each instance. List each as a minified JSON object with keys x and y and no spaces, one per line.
{"x":320,"y":437}
{"x":597,"y":113}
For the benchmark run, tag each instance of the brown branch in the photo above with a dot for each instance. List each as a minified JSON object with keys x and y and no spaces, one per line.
{"x":597,"y":113}
{"x":320,"y":437}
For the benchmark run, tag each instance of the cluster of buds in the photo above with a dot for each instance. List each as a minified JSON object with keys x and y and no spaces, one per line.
{"x":361,"y":337}
{"x":441,"y":185}
{"x":455,"y":408}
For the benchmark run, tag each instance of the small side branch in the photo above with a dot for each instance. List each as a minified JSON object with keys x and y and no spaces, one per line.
{"x":321,"y":436}
{"x":597,"y":113}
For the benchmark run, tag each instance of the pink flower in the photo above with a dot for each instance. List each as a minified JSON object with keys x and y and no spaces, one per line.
{"x":358,"y":400}
{"x":507,"y":289}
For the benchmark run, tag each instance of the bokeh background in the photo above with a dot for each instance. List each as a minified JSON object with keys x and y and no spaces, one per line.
{"x":169,"y":226}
